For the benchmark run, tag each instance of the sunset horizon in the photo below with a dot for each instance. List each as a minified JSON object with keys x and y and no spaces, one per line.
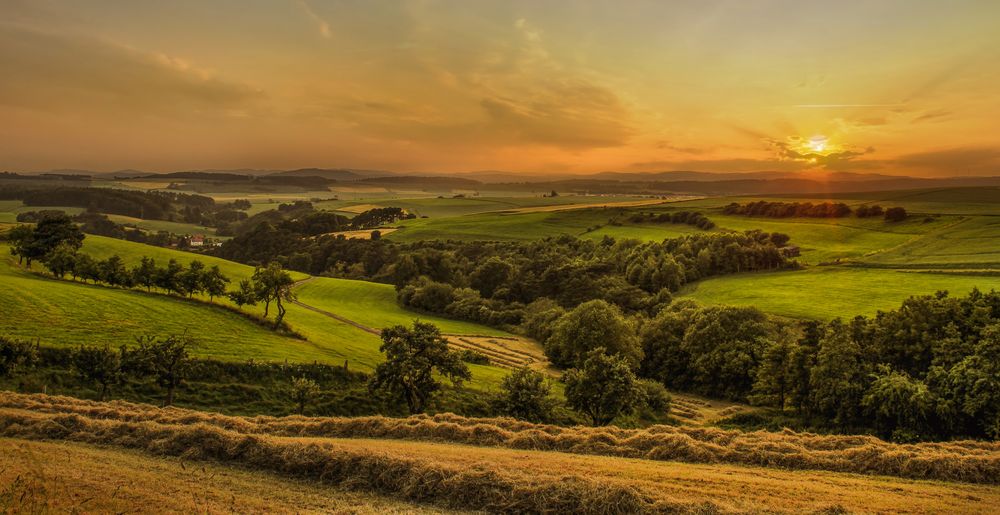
{"x":893,"y":87}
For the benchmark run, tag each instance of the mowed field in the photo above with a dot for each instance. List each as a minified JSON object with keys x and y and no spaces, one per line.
{"x":484,"y":465}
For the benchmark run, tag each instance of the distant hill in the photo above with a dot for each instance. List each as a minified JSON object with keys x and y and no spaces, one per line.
{"x":337,"y":174}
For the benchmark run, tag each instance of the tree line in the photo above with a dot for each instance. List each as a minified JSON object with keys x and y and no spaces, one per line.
{"x":56,"y":240}
{"x":693,"y":218}
{"x":810,"y":210}
{"x":928,"y":370}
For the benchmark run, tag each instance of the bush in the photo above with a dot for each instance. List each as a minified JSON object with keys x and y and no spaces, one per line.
{"x":525,"y":394}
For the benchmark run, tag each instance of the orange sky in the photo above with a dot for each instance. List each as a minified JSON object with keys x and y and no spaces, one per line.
{"x":887,"y":86}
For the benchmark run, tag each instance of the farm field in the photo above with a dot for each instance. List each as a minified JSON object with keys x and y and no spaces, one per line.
{"x":471,"y":473}
{"x":62,"y":477}
{"x":829,"y":292}
{"x":162,"y":225}
{"x":374,"y":305}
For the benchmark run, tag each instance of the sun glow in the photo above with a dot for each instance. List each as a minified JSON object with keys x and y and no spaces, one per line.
{"x":817,"y":144}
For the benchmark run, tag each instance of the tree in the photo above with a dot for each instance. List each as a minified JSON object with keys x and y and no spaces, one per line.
{"x":30,"y":244}
{"x":592,"y":325}
{"x":413,"y":357}
{"x":167,"y":360}
{"x":98,"y":364}
{"x":144,"y":274}
{"x":273,"y":284}
{"x":303,"y":391}
{"x":20,"y":238}
{"x":113,"y":272}
{"x":603,"y":388}
{"x":376,"y":235}
{"x":895,"y":214}
{"x":169,"y":278}
{"x":725,"y":345}
{"x":837,"y":381}
{"x":524,"y":394}
{"x":192,"y":280}
{"x":973,"y":385}
{"x":214,"y":283}
{"x":16,"y":354}
{"x":86,"y":269}
{"x":900,"y":405}
{"x":491,"y":275}
{"x":662,"y":339}
{"x":244,"y":295}
{"x":61,"y":260}
{"x":775,"y":375}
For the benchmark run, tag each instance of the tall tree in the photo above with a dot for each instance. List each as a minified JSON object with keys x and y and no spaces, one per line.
{"x":273,"y":284}
{"x":214,"y":282}
{"x":413,"y":357}
{"x":144,"y":274}
{"x":592,"y":325}
{"x":603,"y":388}
{"x":167,"y":360}
{"x":61,"y":260}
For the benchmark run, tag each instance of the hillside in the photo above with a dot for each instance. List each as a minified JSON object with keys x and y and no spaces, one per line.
{"x":456,"y":463}
{"x":65,"y":312}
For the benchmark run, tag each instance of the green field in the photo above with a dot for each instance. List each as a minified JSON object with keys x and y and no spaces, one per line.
{"x":829,"y":292}
{"x":162,"y":225}
{"x":374,"y":305}
{"x":67,"y":312}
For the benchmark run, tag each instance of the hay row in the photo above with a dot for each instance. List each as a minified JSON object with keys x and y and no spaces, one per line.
{"x":968,"y":461}
{"x":500,"y":349}
{"x":416,"y":480}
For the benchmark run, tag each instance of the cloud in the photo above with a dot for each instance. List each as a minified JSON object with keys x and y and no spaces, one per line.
{"x":70,"y":73}
{"x":321,"y":24}
{"x":787,"y":151}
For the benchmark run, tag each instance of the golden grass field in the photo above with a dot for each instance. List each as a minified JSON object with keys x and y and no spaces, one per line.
{"x":501,"y":465}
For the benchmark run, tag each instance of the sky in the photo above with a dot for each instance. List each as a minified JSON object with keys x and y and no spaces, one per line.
{"x":577,"y":86}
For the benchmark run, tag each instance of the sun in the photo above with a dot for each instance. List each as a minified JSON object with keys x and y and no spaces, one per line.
{"x":817,"y":144}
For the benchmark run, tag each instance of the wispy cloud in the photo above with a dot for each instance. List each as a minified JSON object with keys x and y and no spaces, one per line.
{"x":321,"y":24}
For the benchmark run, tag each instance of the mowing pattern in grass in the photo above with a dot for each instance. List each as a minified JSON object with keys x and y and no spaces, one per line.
{"x":67,"y":313}
{"x":374,"y":305}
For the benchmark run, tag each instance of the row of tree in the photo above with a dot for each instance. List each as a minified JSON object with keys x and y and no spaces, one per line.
{"x":56,"y":240}
{"x":693,"y":218}
{"x":166,"y":361}
{"x":810,"y":210}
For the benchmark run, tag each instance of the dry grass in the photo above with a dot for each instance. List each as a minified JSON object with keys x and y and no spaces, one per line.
{"x":967,"y":461}
{"x":442,"y":474}
{"x":365,"y":469}
{"x":64,"y":477}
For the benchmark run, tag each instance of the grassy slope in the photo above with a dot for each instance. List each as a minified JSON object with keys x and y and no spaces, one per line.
{"x":61,"y":477}
{"x":162,"y":225}
{"x":374,"y":305}
{"x":68,"y":313}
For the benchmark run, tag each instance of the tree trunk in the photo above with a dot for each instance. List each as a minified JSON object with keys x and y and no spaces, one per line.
{"x":104,"y":392}
{"x":170,"y":396}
